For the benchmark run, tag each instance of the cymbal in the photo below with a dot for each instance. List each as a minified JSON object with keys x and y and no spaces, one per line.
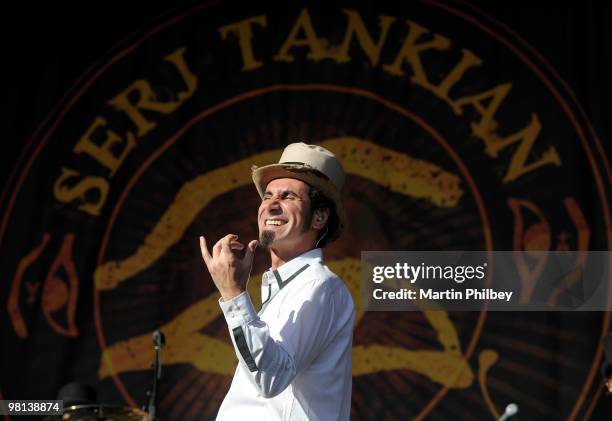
{"x":101,"y":412}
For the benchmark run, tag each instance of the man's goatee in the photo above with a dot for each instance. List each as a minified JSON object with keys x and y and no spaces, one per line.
{"x":265,"y":239}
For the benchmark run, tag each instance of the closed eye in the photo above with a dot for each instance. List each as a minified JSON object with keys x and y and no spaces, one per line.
{"x":285,"y":195}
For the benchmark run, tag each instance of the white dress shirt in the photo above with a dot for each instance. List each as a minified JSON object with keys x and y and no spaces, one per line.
{"x":295,"y":354}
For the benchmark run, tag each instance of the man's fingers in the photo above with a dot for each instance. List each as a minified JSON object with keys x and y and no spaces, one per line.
{"x":204,"y":249}
{"x":253,"y":245}
{"x":250,"y":253}
{"x":228,"y":240}
{"x":217,"y":248}
{"x":228,"y":243}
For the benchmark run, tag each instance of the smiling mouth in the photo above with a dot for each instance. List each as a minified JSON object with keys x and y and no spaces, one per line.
{"x":274,"y":222}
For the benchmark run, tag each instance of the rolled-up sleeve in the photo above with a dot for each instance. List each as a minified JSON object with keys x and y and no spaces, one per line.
{"x":274,"y":359}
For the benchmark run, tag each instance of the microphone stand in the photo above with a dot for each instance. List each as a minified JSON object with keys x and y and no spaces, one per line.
{"x":159,"y":340}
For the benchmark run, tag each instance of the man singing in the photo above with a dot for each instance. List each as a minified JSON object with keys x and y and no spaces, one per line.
{"x":295,"y":353}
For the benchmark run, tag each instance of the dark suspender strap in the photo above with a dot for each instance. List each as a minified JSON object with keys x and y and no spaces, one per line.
{"x":244,"y":348}
{"x":279,"y":280}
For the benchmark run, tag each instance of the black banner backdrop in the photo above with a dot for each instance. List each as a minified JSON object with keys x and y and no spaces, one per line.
{"x":456,"y":134}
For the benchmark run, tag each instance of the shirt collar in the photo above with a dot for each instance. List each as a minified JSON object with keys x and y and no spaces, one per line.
{"x":274,"y":280}
{"x":289,"y":269}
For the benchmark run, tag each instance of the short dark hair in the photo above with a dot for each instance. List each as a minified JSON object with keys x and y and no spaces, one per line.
{"x":319,"y":201}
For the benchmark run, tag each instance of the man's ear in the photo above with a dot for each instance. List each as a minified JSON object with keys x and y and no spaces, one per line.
{"x":319,"y":218}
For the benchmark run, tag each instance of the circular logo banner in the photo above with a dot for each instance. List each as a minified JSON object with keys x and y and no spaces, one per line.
{"x":454,"y":133}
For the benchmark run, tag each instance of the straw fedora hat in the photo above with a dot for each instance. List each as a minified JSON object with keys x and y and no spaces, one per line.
{"x":313,"y":165}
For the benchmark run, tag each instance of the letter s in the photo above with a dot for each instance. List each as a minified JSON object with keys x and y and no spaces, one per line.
{"x":67,"y":194}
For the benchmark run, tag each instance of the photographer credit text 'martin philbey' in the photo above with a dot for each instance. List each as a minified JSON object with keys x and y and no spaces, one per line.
{"x":447,"y":294}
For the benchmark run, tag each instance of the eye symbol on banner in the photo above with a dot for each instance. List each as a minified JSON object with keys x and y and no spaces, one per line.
{"x":57,"y":293}
{"x":538,"y":237}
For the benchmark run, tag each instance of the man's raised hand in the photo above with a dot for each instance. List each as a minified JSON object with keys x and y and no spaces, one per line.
{"x":229,"y":264}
